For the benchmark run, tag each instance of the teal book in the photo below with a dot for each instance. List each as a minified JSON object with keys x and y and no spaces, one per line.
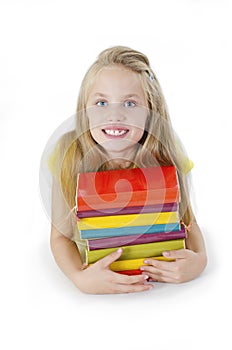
{"x":128,"y":230}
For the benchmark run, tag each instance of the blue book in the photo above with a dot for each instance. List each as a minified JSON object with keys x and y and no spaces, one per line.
{"x":129,"y":230}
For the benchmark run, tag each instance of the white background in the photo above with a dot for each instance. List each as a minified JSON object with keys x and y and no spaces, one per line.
{"x":46,"y":47}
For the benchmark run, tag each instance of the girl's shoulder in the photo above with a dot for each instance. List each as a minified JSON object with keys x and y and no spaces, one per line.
{"x":59,"y":149}
{"x":187,"y":165}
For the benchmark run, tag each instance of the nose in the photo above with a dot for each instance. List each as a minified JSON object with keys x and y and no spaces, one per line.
{"x":115,"y":112}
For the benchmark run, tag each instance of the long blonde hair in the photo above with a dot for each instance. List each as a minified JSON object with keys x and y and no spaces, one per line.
{"x":158,"y":146}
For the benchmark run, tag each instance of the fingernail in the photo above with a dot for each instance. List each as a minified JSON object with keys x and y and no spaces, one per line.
{"x":166,"y":254}
{"x":142,"y":268}
{"x":119,"y":250}
{"x":146,"y":262}
{"x":145,"y":277}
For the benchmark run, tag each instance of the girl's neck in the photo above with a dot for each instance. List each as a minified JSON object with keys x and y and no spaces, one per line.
{"x":122,"y":160}
{"x":121,"y":163}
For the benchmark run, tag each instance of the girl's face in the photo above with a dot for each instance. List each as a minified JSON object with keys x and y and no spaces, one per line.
{"x":117,"y":111}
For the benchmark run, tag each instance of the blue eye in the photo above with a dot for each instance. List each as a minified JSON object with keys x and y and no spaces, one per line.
{"x":101,"y":103}
{"x":129,"y":104}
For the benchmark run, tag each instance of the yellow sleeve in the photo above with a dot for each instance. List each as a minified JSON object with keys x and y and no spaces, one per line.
{"x":187,"y":165}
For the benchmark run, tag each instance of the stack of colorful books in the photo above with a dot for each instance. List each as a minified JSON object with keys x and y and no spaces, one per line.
{"x":136,"y":209}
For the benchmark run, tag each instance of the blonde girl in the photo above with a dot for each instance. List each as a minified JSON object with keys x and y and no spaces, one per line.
{"x":122,"y":121}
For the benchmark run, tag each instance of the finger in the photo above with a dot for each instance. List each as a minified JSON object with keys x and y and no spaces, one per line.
{"x":161,"y":265}
{"x":124,"y":279}
{"x":134,"y":288}
{"x":176,"y":254}
{"x":84,"y":266}
{"x":154,"y":278}
{"x":161,"y":278}
{"x":151,"y":270}
{"x":155,"y":271}
{"x":107,"y":260}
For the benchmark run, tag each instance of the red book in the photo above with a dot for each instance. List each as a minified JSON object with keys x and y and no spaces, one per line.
{"x":130,"y":272}
{"x":127,"y":187}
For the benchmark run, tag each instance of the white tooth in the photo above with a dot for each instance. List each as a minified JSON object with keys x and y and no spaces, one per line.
{"x":115,"y":132}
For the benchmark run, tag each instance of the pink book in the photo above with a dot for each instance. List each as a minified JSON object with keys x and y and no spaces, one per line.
{"x":111,"y":242}
{"x":156,"y":208}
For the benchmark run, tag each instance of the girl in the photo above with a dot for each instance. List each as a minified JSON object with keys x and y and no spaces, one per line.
{"x":122,"y":122}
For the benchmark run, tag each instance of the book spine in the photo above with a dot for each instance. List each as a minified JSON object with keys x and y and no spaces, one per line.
{"x":111,"y":242}
{"x":133,"y":264}
{"x":127,"y":220}
{"x":137,"y":178}
{"x":126,"y":231}
{"x":126,"y":199}
{"x":166,"y":207}
{"x":130,"y":272}
{"x":137,"y":251}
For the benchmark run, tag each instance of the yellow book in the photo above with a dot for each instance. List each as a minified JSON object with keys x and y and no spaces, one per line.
{"x":115,"y":221}
{"x":133,"y":264}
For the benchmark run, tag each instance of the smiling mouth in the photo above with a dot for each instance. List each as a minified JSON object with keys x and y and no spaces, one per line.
{"x":115,"y":132}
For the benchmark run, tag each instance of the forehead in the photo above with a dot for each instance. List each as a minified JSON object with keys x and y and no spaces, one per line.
{"x":117,"y":79}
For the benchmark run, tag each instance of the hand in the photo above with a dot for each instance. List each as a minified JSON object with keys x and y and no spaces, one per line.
{"x":99,"y":279}
{"x":187,"y":265}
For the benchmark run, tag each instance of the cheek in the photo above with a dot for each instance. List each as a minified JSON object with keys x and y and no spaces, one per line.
{"x":91,"y":124}
{"x":94,"y":133}
{"x":139,"y":122}
{"x":96,"y":119}
{"x":137,"y":134}
{"x":93,"y":120}
{"x":139,"y":126}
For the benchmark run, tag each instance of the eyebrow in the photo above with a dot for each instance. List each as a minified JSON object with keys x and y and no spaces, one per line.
{"x":125,"y":96}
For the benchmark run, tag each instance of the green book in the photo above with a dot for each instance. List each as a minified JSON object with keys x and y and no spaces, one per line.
{"x":137,"y":251}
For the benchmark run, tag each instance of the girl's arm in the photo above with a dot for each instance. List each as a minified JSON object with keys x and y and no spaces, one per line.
{"x":188,"y":264}
{"x":97,"y":279}
{"x":65,"y":253}
{"x":195,"y":241}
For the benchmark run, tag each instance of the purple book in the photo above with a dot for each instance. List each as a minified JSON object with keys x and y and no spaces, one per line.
{"x":111,"y":242}
{"x":156,"y":208}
